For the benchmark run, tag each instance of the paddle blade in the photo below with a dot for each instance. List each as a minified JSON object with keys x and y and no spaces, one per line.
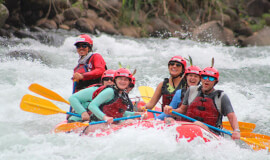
{"x":70,"y":127}
{"x":38,"y":105}
{"x":146,"y":93}
{"x":257,"y":143}
{"x":45,"y":92}
{"x":243,"y":126}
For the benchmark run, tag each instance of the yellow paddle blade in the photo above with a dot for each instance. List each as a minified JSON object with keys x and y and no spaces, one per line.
{"x":254,"y":135}
{"x":243,"y":126}
{"x":38,"y":105}
{"x":45,"y":92}
{"x":69,"y":127}
{"x":146,"y":93}
{"x":257,"y":144}
{"x":257,"y":141}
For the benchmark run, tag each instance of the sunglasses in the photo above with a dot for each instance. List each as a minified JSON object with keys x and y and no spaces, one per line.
{"x":173,"y":63}
{"x":107,"y":79}
{"x":81,"y":45}
{"x":209,"y":77}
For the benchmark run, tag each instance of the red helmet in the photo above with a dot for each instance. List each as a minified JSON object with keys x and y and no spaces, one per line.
{"x":180,"y":60}
{"x":108,"y":73}
{"x":193,"y":69}
{"x":84,"y":38}
{"x":122,"y":72}
{"x":210,"y":71}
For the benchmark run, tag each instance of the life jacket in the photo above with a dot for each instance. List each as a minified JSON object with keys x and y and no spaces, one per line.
{"x":166,"y":95}
{"x":114,"y":108}
{"x":95,"y":85}
{"x":86,"y":67}
{"x":130,"y":105}
{"x":205,"y":109}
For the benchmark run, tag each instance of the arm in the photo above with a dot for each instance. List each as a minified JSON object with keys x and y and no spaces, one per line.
{"x":234,"y":123}
{"x":176,"y":99}
{"x":227,"y":110}
{"x":103,"y":97}
{"x":182,"y":109}
{"x":78,"y":99}
{"x":174,"y":104}
{"x":151,"y":104}
{"x":98,"y":68}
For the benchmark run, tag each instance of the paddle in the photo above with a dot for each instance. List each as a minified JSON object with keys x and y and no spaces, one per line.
{"x":72,"y":126}
{"x":36,"y":88}
{"x":243,"y":126}
{"x":146,"y":94}
{"x":257,"y":143}
{"x":42,"y":106}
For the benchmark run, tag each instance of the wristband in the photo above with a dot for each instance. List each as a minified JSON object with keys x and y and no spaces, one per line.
{"x":236,"y":130}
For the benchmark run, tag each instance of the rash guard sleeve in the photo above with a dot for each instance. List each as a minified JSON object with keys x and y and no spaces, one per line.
{"x":103,"y":97}
{"x":79,"y":99}
{"x":176,"y":99}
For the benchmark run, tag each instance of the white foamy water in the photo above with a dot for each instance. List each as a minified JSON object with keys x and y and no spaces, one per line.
{"x":244,"y":77}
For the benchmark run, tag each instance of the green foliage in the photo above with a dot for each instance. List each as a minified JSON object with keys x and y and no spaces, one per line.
{"x":78,"y":5}
{"x":258,"y":26}
{"x":266,"y":15}
{"x":130,"y":11}
{"x":2,"y":1}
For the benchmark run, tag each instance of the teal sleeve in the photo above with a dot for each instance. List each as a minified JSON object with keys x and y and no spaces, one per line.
{"x":79,"y":100}
{"x":103,"y":97}
{"x":128,"y":114}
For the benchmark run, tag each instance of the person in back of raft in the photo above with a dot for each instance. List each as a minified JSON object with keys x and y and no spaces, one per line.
{"x":193,"y":78}
{"x":208,"y":105}
{"x":169,"y":86}
{"x":111,"y":102}
{"x":80,"y":100}
{"x":90,"y":65}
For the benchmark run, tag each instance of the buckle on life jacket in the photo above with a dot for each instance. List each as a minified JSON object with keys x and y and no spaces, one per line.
{"x":201,"y":108}
{"x":199,"y":119}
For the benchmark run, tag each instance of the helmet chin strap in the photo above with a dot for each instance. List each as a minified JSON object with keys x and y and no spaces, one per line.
{"x":180,"y":75}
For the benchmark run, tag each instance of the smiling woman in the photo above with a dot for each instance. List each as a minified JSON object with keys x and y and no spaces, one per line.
{"x":169,"y":86}
{"x":90,"y":65}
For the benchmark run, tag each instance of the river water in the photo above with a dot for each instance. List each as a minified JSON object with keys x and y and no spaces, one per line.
{"x":244,"y":76}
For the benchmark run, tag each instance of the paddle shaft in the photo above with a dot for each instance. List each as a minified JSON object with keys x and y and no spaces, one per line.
{"x":73,"y":91}
{"x":116,"y":119}
{"x":193,"y":120}
{"x":226,"y":132}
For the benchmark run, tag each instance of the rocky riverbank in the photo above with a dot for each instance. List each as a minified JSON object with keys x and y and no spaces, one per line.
{"x":231,"y":22}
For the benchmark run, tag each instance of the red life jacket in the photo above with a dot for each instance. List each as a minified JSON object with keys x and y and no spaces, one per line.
{"x":166,"y":95}
{"x":95,"y":85}
{"x":87,"y":67}
{"x":204,"y":109}
{"x":114,"y":108}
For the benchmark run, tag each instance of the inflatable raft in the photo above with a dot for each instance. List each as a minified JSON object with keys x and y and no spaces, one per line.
{"x":186,"y":130}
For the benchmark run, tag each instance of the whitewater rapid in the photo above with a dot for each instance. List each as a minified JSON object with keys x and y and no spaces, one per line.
{"x":244,"y":76}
